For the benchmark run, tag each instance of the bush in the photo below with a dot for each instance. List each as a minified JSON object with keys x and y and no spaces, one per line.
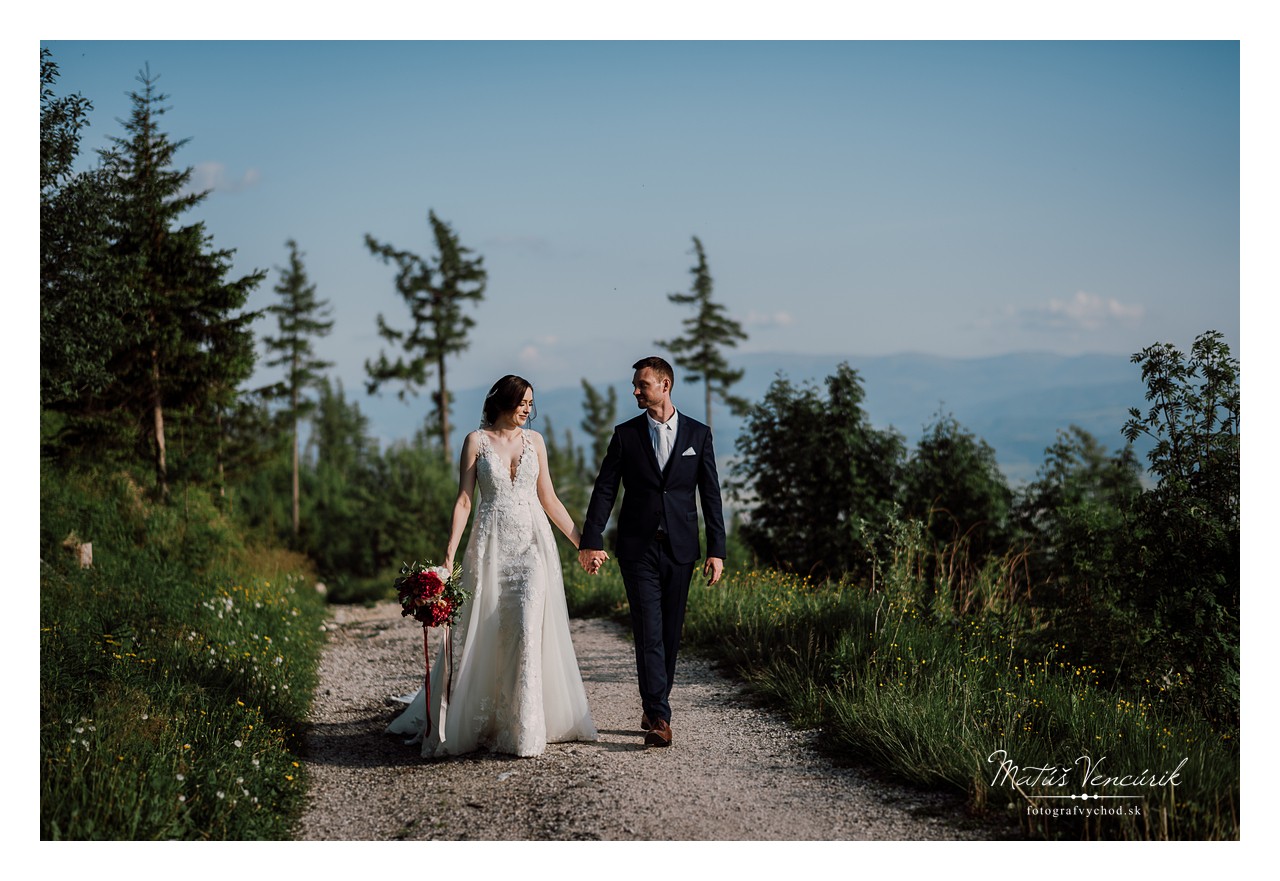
{"x":813,"y":475}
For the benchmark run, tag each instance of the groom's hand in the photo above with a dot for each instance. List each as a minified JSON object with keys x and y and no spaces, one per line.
{"x":713,"y":569}
{"x":592,"y":560}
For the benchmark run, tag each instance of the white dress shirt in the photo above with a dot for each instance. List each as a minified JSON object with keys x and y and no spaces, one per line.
{"x":663,"y":435}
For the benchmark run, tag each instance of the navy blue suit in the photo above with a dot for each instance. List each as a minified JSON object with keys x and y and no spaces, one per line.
{"x":657,"y":543}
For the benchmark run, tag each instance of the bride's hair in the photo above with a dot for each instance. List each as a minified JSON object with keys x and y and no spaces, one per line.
{"x":505,"y":396}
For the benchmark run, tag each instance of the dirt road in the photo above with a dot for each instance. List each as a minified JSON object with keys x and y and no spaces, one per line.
{"x":734,"y":771}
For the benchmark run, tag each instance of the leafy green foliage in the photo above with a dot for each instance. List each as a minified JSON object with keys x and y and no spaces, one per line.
{"x":339,"y":488}
{"x":954,"y":485}
{"x":1185,"y":534}
{"x":1074,"y":521}
{"x":814,"y":475}
{"x":80,"y":298}
{"x":706,"y":333}
{"x":365,"y":511}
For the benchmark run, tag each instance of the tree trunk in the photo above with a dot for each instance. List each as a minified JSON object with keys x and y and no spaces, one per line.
{"x":222,"y":469}
{"x":157,"y":419}
{"x":444,"y":413}
{"x":293,"y":404}
{"x":707,"y":385}
{"x":296,"y":493}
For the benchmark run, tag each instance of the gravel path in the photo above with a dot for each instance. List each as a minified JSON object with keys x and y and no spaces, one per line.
{"x":733,"y":772}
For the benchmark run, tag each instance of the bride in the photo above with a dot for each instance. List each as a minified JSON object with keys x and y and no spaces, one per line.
{"x":513,"y":685}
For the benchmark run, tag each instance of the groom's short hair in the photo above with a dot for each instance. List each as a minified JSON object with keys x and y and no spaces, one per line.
{"x":658,"y":366}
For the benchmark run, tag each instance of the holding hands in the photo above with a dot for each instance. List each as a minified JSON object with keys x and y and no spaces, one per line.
{"x":592,"y":560}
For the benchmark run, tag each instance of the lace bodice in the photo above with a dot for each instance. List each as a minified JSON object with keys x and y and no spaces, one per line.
{"x":493,"y":477}
{"x":508,"y":502}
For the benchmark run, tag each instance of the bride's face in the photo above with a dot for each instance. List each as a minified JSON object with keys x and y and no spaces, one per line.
{"x":520,"y":415}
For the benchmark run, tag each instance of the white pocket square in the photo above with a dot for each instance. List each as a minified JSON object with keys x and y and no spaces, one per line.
{"x":689,"y":452}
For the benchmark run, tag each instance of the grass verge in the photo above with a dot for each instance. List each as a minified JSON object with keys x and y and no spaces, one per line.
{"x":958,"y":705}
{"x":175,"y":673}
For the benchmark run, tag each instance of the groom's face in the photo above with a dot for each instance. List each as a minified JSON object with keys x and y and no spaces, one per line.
{"x":649,"y":388}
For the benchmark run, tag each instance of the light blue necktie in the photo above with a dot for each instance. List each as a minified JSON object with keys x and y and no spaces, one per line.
{"x":662,"y":444}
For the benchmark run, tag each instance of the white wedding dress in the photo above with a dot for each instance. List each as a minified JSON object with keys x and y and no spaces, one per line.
{"x":515,"y":681}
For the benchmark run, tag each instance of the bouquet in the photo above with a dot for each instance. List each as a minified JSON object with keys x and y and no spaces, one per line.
{"x":431,"y":594}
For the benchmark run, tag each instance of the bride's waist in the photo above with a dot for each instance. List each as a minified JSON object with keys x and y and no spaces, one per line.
{"x":508,"y":506}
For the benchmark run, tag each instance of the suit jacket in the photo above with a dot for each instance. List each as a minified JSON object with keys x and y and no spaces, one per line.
{"x":653,"y":497}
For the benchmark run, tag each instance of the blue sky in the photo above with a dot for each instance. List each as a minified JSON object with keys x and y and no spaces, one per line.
{"x":854,"y":198}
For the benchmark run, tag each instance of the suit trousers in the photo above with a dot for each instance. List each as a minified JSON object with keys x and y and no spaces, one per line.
{"x":657,"y":592}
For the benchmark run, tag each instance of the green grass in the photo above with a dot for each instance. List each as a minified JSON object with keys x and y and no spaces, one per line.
{"x":175,"y":674}
{"x":930,"y":701}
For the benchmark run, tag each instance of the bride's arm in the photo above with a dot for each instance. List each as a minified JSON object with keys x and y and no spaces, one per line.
{"x":551,"y":503}
{"x":466,"y":488}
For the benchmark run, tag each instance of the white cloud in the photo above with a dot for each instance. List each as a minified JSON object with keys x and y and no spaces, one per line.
{"x":768,"y":319}
{"x":1083,"y":311}
{"x":214,"y":176}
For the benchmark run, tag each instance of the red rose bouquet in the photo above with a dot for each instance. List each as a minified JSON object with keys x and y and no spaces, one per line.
{"x":430,"y":594}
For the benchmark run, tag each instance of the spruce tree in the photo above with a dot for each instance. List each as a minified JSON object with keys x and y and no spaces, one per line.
{"x":707,"y":332}
{"x":599,"y":413}
{"x":435,"y":293}
{"x":193,"y":347}
{"x":81,"y":307}
{"x":301,"y":317}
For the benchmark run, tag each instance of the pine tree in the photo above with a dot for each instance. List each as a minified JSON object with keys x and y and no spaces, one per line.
{"x":568,"y":467}
{"x":707,"y":331}
{"x":435,"y":294}
{"x":341,"y":460}
{"x":300,"y":316}
{"x":81,"y":308}
{"x":600,"y":412}
{"x":193,"y":348}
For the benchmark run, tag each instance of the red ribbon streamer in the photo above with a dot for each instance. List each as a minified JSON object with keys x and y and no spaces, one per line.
{"x":448,"y":683}
{"x":426,"y":651}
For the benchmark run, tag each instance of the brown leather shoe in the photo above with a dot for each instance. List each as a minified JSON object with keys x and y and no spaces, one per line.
{"x":645,"y":724}
{"x":659,"y":734}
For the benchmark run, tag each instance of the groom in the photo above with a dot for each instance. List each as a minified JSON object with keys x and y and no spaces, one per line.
{"x":660,"y":458}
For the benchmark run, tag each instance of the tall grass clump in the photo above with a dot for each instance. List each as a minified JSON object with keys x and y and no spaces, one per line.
{"x":951,"y":684}
{"x":175,"y":672}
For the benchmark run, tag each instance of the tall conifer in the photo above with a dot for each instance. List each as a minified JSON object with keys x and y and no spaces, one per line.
{"x":194,"y":347}
{"x":435,"y":293}
{"x":707,"y":332}
{"x":81,"y":308}
{"x":301,"y":317}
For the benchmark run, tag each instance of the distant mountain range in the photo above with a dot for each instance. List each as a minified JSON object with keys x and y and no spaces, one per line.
{"x":1016,"y":403}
